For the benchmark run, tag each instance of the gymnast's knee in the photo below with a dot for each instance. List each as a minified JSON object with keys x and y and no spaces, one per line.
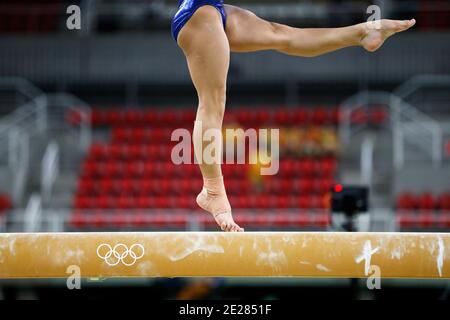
{"x":212,"y":103}
{"x":280,"y":35}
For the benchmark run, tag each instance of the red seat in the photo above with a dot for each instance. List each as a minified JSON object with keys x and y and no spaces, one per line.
{"x":138,"y":134}
{"x":143,"y":202}
{"x":79,"y":220}
{"x":319,"y":116}
{"x":73,"y":117}
{"x":378,"y":115}
{"x":261,"y":220}
{"x":133,"y":117}
{"x":141,"y":220}
{"x":426,"y":202}
{"x":304,"y":202}
{"x":322,"y":220}
{"x":321,"y":202}
{"x":82,"y":202}
{"x":306,"y":168}
{"x":305,"y":186}
{"x":5,"y":203}
{"x":99,"y":117}
{"x":163,"y":202}
{"x":406,"y":201}
{"x":85,"y":186}
{"x":358,"y":116}
{"x":284,"y":116}
{"x":179,"y":220}
{"x":426,"y":220}
{"x":110,"y":169}
{"x":119,"y":134}
{"x":115,"y":151}
{"x":114,"y":117}
{"x":187,"y":116}
{"x":169,"y":117}
{"x":287,"y":168}
{"x":407,"y":220}
{"x":150,"y":117}
{"x":119,"y":220}
{"x":282,"y":202}
{"x":97,"y":151}
{"x":326,"y":167}
{"x":243,"y":116}
{"x":444,"y":202}
{"x":443,"y":221}
{"x":103,"y":202}
{"x":336,"y":115}
{"x":134,"y":169}
{"x":301,"y":116}
{"x":281,"y":220}
{"x":184,"y":202}
{"x":447,"y":148}
{"x":99,"y":220}
{"x":263,"y":116}
{"x":301,"y":220}
{"x":108,"y":186}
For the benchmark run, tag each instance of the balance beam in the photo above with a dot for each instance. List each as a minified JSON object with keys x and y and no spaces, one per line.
{"x":217,"y":254}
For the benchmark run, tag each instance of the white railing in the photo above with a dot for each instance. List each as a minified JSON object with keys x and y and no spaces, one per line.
{"x":60,"y":105}
{"x":446,"y":141}
{"x":15,"y":132}
{"x":420,"y":82}
{"x":414,"y":126}
{"x":408,"y":124}
{"x":17,"y":127}
{"x":33,"y":214}
{"x":19,"y":162}
{"x":366,"y":159}
{"x":49,"y":170}
{"x":360,"y":100}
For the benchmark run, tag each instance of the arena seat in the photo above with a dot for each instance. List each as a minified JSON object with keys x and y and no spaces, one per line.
{"x":423,"y":211}
{"x":5,"y":203}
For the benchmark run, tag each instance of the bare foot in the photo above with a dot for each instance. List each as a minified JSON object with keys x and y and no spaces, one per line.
{"x":219,"y":207}
{"x":377,"y":32}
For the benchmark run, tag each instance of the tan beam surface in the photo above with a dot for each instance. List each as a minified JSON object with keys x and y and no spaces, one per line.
{"x":176,"y":254}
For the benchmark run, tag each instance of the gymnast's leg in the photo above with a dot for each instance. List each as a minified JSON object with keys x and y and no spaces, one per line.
{"x":246,"y":33}
{"x":205,"y":45}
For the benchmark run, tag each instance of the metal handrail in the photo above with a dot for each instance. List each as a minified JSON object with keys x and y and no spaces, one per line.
{"x":426,"y":122}
{"x":33,"y":214}
{"x":419,"y":82}
{"x":16,"y":129}
{"x":50,"y":169}
{"x":21,"y":85}
{"x":67,"y":103}
{"x":358,"y":100}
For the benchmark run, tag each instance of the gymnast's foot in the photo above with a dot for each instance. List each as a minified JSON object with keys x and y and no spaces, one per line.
{"x":213,"y":199}
{"x":377,"y":32}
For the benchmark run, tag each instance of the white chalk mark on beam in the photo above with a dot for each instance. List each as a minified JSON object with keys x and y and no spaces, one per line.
{"x":321,"y":267}
{"x":367,"y":256}
{"x":194,"y":245}
{"x":440,"y":258}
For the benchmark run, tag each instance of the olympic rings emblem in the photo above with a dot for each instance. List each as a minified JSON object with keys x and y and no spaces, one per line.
{"x":120,"y":253}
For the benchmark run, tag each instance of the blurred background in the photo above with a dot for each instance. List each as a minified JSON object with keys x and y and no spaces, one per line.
{"x":86,"y":117}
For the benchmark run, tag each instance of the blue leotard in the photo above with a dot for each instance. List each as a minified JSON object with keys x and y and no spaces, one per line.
{"x":186,"y":8}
